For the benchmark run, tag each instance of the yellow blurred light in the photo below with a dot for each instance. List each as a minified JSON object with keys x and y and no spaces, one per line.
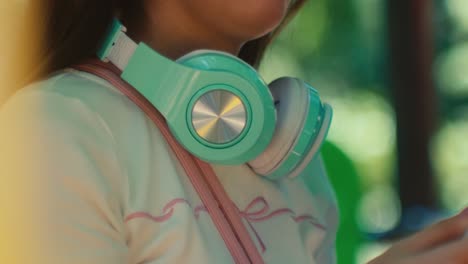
{"x":17,"y":49}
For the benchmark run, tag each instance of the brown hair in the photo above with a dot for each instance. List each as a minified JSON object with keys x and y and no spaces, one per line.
{"x":73,"y":30}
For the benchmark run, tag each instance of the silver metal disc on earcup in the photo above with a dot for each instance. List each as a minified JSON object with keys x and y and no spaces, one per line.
{"x":248,"y":131}
{"x":219,"y":116}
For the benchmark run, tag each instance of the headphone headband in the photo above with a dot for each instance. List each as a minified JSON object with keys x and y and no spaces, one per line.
{"x":140,"y":65}
{"x":220,"y":109}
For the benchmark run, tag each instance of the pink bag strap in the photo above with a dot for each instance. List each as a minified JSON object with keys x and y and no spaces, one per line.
{"x":222,"y":210}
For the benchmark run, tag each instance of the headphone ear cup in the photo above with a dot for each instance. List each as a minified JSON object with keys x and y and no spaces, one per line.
{"x":240,"y":82}
{"x":300,"y":115}
{"x":290,"y":104}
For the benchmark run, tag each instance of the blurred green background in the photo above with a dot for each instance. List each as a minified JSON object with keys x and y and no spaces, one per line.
{"x":342,"y":49}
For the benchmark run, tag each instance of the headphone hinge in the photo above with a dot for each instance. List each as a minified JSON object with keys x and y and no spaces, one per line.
{"x":113,"y":34}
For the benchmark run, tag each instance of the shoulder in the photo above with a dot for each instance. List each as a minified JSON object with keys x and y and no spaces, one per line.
{"x":70,"y":101}
{"x":58,"y":116}
{"x":70,"y":86}
{"x":61,"y":154}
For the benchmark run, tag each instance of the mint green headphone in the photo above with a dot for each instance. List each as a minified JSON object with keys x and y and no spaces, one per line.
{"x":219,"y":108}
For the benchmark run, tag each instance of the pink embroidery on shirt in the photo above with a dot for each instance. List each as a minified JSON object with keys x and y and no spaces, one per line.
{"x":168,"y":210}
{"x":256,"y":211}
{"x":251,"y":214}
{"x":310,"y":219}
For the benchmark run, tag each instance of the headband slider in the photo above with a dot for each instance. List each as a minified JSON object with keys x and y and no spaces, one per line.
{"x":115,"y":32}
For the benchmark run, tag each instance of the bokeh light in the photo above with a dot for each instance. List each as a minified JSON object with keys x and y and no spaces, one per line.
{"x":364,"y":127}
{"x":450,"y":158}
{"x":458,"y":13}
{"x":451,"y":70}
{"x":379,"y":210}
{"x":450,"y":143}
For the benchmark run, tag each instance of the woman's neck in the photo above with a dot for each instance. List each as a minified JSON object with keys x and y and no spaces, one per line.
{"x":173,"y":33}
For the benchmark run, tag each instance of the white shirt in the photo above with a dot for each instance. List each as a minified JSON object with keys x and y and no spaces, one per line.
{"x":106,"y":188}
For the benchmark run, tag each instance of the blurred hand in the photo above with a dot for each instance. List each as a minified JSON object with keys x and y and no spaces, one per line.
{"x":445,"y":242}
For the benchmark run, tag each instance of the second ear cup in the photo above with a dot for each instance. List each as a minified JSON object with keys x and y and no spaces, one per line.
{"x":300,"y":113}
